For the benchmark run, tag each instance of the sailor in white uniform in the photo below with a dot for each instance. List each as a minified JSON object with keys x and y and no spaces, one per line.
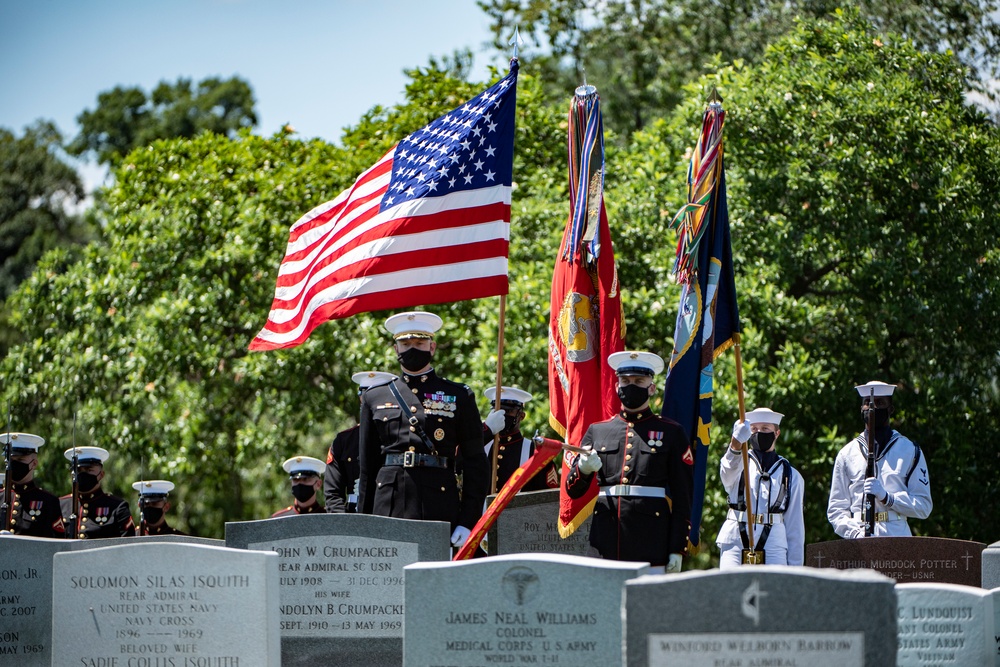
{"x":901,"y":484}
{"x":776,"y":490}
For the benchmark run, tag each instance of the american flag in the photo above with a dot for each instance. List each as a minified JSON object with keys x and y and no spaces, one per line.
{"x":428,"y":223}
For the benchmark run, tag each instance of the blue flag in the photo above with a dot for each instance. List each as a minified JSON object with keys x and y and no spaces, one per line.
{"x":708,"y":320}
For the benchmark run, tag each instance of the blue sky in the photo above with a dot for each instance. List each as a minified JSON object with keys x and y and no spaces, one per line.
{"x":317,"y":64}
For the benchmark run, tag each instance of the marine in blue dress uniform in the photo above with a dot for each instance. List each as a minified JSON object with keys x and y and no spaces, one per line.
{"x":513,"y":448}
{"x":306,"y":475}
{"x":640,"y":460}
{"x":33,"y":511}
{"x":153,"y":506}
{"x":342,"y":466}
{"x":101,"y":515}
{"x":411,"y":431}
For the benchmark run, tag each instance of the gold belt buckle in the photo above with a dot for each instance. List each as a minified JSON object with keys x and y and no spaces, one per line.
{"x":881,"y":516}
{"x":409,"y":459}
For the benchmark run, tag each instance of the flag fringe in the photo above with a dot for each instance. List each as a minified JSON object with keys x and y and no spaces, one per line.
{"x":581,"y":516}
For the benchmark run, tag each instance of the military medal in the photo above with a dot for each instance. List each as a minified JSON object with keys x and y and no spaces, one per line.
{"x":655,"y":439}
{"x":102,"y":515}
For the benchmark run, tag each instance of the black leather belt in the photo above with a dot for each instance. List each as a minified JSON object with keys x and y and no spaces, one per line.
{"x":415,"y":460}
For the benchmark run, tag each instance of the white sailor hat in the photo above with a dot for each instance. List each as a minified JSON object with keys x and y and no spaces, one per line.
{"x":366,"y":379}
{"x":508,"y":395}
{"x":153,"y":488}
{"x":414,"y":324}
{"x":876,"y":387}
{"x":86,"y":455}
{"x":635,"y":363}
{"x":763,"y":416}
{"x":22,"y":443}
{"x":298,"y":465}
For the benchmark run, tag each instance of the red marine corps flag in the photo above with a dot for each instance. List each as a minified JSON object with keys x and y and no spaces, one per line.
{"x":428,"y":223}
{"x":585,"y":322}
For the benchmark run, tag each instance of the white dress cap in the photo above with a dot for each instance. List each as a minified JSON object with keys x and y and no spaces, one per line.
{"x":366,"y":379}
{"x":414,"y":324}
{"x":26,"y":441}
{"x":153,"y":487}
{"x":880,"y":389}
{"x":508,"y":394}
{"x":87,"y":454}
{"x":635,"y":363}
{"x":763,"y":416}
{"x":303,"y":464}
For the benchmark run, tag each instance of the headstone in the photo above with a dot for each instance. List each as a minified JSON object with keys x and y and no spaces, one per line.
{"x":26,"y":599}
{"x":767,"y":615}
{"x":991,"y":566}
{"x":165,"y":605}
{"x":542,"y":609}
{"x":529,"y":524}
{"x":341,"y":582}
{"x":26,"y":591}
{"x":946,"y":624}
{"x":904,"y":559}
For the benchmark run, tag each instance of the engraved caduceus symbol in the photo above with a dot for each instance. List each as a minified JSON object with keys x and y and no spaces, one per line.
{"x":520,"y":584}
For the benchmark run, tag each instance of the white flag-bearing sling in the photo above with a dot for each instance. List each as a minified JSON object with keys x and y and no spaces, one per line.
{"x":428,"y":223}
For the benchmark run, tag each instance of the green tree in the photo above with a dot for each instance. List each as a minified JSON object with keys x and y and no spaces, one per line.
{"x":145,"y":338}
{"x":127,"y":117}
{"x":641,"y":52}
{"x":861,"y":193}
{"x":36,"y":187}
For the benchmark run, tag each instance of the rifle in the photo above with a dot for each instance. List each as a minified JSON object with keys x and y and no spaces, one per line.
{"x":140,"y":502}
{"x":75,"y":474}
{"x":8,"y":483}
{"x":869,"y":505}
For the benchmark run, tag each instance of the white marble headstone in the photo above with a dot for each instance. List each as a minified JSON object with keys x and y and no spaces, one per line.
{"x":946,"y":624}
{"x":161,"y":604}
{"x":543,"y":609}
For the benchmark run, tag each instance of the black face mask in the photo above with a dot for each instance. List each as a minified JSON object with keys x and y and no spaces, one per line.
{"x":303,"y":492}
{"x":632,"y":396}
{"x":152,"y":515}
{"x":761,"y":441}
{"x":414,"y":359}
{"x":511,"y":423}
{"x":879,"y":418}
{"x":18,"y":471}
{"x":86,"y":482}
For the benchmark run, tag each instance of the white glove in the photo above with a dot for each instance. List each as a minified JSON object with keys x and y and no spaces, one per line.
{"x":674,"y":563}
{"x":459,"y":536}
{"x":588,"y":462}
{"x":741,"y":431}
{"x":874,"y":487}
{"x":854,"y":533}
{"x":494,"y":421}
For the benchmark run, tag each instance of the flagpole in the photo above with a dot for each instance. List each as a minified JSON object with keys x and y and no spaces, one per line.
{"x":743,"y":446}
{"x":497,"y":395}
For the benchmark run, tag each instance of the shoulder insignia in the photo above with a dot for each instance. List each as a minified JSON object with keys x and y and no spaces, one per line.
{"x":688,"y":458}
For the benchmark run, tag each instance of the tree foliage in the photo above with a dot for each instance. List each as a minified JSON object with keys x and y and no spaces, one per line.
{"x":864,"y":232}
{"x":641,"y":52}
{"x":36,"y":187}
{"x":127,"y":117}
{"x":860,"y":195}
